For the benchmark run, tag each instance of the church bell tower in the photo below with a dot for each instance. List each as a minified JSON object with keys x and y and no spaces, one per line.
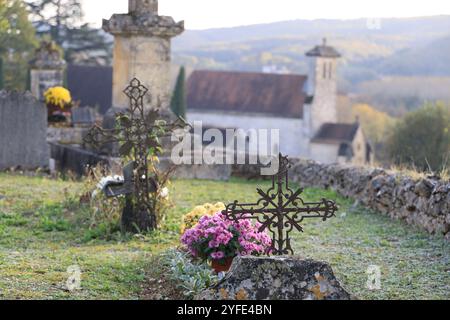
{"x":322,"y":86}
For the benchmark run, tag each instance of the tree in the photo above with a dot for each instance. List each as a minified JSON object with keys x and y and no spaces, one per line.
{"x":60,"y":20}
{"x":55,"y":17}
{"x":17,"y":43}
{"x":88,"y":46}
{"x":178,"y":102}
{"x":422,"y":139}
{"x":376,"y":126}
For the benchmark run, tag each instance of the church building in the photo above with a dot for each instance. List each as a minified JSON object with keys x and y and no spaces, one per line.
{"x":302,"y":107}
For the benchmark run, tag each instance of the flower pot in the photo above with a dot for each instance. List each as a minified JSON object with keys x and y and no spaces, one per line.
{"x":57,"y":114}
{"x":222,"y":265}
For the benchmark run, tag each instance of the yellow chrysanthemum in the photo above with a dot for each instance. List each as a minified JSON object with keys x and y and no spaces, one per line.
{"x":191,"y":219}
{"x":58,"y":96}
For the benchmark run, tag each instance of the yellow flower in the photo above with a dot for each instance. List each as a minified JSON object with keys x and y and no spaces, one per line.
{"x":58,"y":96}
{"x":192,"y":218}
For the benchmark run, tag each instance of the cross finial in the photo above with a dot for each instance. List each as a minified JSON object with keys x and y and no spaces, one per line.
{"x":139,"y":7}
{"x":324,"y":42}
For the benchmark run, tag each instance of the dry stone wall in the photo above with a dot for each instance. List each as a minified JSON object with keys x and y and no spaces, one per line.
{"x":421,"y":202}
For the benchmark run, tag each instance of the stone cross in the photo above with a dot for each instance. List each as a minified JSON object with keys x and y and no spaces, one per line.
{"x":280,"y":210}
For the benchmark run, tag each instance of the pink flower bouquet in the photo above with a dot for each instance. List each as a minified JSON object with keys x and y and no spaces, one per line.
{"x":216,"y":238}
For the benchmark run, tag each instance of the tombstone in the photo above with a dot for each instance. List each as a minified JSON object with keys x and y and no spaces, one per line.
{"x":23,"y":131}
{"x":46,"y":69}
{"x":83,"y":117}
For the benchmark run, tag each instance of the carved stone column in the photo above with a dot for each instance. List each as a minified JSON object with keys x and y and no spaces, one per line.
{"x":142,"y":46}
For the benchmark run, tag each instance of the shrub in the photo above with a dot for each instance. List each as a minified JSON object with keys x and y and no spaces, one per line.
{"x":191,"y":277}
{"x":422,"y":139}
{"x":191,"y":219}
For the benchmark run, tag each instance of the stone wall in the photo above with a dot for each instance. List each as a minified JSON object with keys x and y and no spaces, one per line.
{"x":23,"y":131}
{"x":421,"y":202}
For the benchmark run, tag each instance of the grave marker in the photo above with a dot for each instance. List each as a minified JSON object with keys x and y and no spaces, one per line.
{"x":138,"y":131}
{"x":23,"y":131}
{"x":281,"y":210}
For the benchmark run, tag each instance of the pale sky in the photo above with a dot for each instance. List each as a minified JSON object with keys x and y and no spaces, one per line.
{"x":204,"y":14}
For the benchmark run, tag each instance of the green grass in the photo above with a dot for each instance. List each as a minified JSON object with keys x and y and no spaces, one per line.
{"x":43,"y":231}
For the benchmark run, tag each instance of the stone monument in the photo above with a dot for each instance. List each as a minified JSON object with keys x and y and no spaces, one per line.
{"x":142,"y":42}
{"x":46,"y":69}
{"x":23,"y":131}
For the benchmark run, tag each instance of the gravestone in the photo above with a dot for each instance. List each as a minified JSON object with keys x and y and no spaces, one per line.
{"x":23,"y":131}
{"x":83,"y":117}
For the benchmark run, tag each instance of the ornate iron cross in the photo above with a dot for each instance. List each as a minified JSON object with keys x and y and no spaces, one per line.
{"x":138,"y":132}
{"x":280,"y":210}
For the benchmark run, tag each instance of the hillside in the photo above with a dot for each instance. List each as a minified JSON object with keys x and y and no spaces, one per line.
{"x":418,"y":47}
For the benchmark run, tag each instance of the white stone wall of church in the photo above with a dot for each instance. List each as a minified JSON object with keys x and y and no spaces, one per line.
{"x":359,"y":149}
{"x":325,"y":153}
{"x":293,"y":140}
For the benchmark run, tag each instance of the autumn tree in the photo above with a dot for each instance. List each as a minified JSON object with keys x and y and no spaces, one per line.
{"x":376,"y":124}
{"x":422,"y":139}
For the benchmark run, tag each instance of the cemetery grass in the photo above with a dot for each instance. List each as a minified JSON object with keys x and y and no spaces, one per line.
{"x":44,"y":230}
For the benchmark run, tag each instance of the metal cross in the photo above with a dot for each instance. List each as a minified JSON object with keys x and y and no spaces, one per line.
{"x":280,"y":210}
{"x":138,"y":132}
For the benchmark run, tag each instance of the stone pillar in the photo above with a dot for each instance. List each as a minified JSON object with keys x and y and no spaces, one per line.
{"x":46,"y":69}
{"x":142,"y":50}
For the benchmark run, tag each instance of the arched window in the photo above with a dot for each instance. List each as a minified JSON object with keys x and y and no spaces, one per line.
{"x":325,"y":70}
{"x":330,"y":70}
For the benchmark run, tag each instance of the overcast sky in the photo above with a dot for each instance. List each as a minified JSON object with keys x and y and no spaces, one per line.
{"x":204,"y":14}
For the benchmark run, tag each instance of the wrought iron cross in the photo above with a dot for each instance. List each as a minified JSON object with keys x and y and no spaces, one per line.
{"x":137,"y":132}
{"x":280,"y":210}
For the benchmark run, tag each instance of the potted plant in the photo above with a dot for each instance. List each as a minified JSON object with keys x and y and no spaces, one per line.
{"x":219,"y":240}
{"x":59,"y":104}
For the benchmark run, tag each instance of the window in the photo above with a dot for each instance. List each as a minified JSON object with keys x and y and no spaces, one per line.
{"x":330,"y":70}
{"x":325,"y":70}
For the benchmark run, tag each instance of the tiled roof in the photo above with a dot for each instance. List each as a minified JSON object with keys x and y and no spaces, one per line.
{"x":243,"y":92}
{"x":324,"y":51}
{"x":336,"y":133}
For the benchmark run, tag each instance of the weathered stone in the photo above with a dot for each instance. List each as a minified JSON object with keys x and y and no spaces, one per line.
{"x":66,"y":135}
{"x":424,"y":188}
{"x":46,"y":69}
{"x":23,"y":131}
{"x":142,"y":50}
{"x":277,"y":278}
